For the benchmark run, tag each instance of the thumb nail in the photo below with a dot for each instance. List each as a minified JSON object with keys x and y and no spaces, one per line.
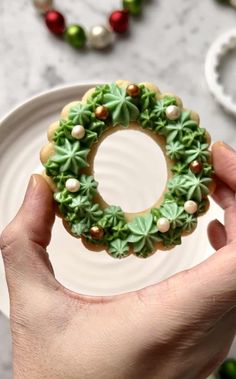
{"x":224,"y":144}
{"x":31,"y":186}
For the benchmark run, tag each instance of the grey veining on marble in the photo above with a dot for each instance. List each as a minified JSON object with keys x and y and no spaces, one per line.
{"x":166,"y":46}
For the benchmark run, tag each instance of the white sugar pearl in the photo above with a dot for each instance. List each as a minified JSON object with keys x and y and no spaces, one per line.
{"x":72,"y":185}
{"x":43,"y":5}
{"x":163,"y":225}
{"x":172,"y":112}
{"x":190,"y":207}
{"x":100,"y":37}
{"x":78,"y":132}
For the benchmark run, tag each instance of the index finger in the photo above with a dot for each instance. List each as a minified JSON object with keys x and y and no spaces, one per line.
{"x":224,"y":162}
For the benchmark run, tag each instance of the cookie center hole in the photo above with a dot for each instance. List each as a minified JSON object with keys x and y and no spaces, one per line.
{"x":131,"y":170}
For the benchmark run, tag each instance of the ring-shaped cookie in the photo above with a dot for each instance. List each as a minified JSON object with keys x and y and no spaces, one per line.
{"x":68,"y":160}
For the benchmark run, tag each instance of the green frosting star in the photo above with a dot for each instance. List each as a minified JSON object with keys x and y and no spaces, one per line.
{"x":169,"y":198}
{"x":172,"y":237}
{"x":177,"y":129}
{"x":173,"y":213}
{"x":80,"y":114}
{"x":120,"y":230}
{"x":190,"y":222}
{"x":179,"y":168}
{"x":63,"y":197}
{"x":207,"y":169}
{"x":79,"y":203}
{"x":198,"y":151}
{"x":199,"y":135}
{"x":175,"y":150}
{"x":177,"y":185}
{"x":97,"y":126}
{"x":70,"y":157}
{"x":112,"y":216}
{"x":197,"y":186}
{"x":121,"y":106}
{"x":144,"y":234}
{"x":119,"y":248}
{"x":160,"y":127}
{"x":92,"y":214}
{"x":148,"y":98}
{"x":88,"y":186}
{"x":79,"y":228}
{"x":96,"y":98}
{"x":63,"y":132}
{"x":61,"y":179}
{"x":162,"y":104}
{"x":147,"y":119}
{"x":52,"y":168}
{"x":89,"y":139}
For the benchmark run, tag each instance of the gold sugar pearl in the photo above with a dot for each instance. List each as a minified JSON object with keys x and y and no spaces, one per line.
{"x":196,"y":167}
{"x":133,"y":90}
{"x":101,"y":112}
{"x":96,"y":232}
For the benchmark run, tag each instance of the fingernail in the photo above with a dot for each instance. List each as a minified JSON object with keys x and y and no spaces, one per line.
{"x":225,"y":145}
{"x":31,"y":186}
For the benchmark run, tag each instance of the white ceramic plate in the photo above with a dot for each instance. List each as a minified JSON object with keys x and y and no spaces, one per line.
{"x":128,"y":171}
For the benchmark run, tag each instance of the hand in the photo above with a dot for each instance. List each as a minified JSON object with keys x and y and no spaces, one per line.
{"x":181,"y":328}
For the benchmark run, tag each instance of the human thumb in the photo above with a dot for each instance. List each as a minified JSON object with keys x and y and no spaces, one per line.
{"x":24,"y":240}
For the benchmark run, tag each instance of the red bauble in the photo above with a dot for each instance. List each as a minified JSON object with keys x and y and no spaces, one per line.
{"x":119,"y":21}
{"x":55,"y":22}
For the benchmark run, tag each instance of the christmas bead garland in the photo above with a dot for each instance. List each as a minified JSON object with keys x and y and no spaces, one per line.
{"x":186,"y":145}
{"x":227,"y":2}
{"x":100,"y":36}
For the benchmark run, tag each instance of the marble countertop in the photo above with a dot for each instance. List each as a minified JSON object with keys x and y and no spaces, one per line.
{"x":166,"y":46}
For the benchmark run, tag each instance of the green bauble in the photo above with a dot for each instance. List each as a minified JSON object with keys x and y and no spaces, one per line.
{"x":133,"y":6}
{"x":75,"y":36}
{"x":228,"y":369}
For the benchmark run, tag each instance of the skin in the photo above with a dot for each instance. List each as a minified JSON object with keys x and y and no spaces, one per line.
{"x":180,"y":328}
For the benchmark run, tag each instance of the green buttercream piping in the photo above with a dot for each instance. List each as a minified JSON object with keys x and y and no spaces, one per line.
{"x":177,"y":185}
{"x":63,"y":132}
{"x":189,"y":222}
{"x":185,"y":142}
{"x":178,"y":129}
{"x":144,"y":234}
{"x":80,"y":114}
{"x":162,"y":104}
{"x":112,"y":216}
{"x":92,"y":214}
{"x":198,"y":151}
{"x":121,"y":106}
{"x":179,"y":168}
{"x":88,"y":186}
{"x":175,"y":150}
{"x":197,"y":186}
{"x":172,"y":237}
{"x":70,"y":157}
{"x":119,"y":248}
{"x":173,"y":213}
{"x":147,"y":98}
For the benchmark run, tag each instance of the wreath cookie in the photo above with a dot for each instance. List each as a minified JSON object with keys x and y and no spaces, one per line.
{"x":68,"y":160}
